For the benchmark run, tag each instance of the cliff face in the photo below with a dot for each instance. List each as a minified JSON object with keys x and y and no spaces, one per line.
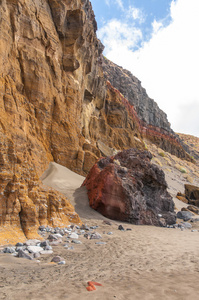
{"x":153,"y":123}
{"x":130,"y":87}
{"x":55,"y":105}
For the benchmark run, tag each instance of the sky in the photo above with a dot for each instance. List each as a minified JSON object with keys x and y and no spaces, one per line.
{"x":158,"y":41}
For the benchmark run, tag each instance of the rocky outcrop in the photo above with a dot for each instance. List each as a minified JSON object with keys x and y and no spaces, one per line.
{"x":55,"y":105}
{"x":130,"y":87}
{"x":192,"y":194}
{"x":48,"y":78}
{"x":153,"y":123}
{"x":127,"y":187}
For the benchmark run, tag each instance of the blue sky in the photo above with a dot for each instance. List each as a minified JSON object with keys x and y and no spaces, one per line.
{"x":158,"y":41}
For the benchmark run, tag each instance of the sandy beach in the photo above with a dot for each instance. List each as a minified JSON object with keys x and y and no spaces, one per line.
{"x":145,"y":262}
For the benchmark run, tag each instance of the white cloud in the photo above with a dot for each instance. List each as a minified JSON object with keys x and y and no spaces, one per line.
{"x":118,"y":2}
{"x":135,"y":14}
{"x":167,"y":65}
{"x":120,"y":36}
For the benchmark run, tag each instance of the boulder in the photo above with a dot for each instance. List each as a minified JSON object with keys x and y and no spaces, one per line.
{"x":185,"y":215}
{"x":128,"y":187}
{"x":182,"y":197}
{"x":192,"y":194}
{"x":193,"y":208}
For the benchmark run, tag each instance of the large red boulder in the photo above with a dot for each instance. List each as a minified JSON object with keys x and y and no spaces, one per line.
{"x":128,"y":187}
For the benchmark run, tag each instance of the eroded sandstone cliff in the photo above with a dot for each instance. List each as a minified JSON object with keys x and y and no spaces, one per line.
{"x":55,"y":105}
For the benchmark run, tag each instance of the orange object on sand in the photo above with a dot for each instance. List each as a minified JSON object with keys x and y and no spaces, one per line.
{"x":91,"y":285}
{"x":90,"y":288}
{"x":94,"y":283}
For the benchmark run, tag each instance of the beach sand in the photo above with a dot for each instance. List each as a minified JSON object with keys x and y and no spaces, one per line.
{"x":145,"y":262}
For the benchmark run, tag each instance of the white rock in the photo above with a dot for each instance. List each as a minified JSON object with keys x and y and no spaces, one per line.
{"x":73,"y":235}
{"x":46,"y":252}
{"x":34,"y":249}
{"x":32,"y":242}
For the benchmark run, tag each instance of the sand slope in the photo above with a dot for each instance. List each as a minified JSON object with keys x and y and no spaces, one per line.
{"x":142,"y":264}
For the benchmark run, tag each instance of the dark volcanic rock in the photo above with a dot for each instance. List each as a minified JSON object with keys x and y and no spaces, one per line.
{"x":185,"y":215}
{"x":129,"y":188}
{"x":130,"y":86}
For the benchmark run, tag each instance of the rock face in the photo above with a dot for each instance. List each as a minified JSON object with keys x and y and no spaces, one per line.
{"x":192,"y":194}
{"x":153,"y":123}
{"x":55,"y":105}
{"x":130,"y":87}
{"x":127,"y":187}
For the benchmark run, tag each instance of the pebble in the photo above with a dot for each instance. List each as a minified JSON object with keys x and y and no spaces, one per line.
{"x":107,"y":222}
{"x":186,"y":225}
{"x":42,"y":228}
{"x":100,"y":243}
{"x":73,"y":235}
{"x":33,"y":242}
{"x":23,"y":254}
{"x":34,"y":249}
{"x":46,"y":252}
{"x":9,"y":250}
{"x":62,"y":262}
{"x":57,"y":259}
{"x":120,"y":227}
{"x":58,"y":235}
{"x":19,"y":244}
{"x":76,"y":242}
{"x":94,"y":227}
{"x":109,"y":233}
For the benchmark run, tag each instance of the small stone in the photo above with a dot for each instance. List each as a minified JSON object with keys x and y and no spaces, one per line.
{"x":73,"y":235}
{"x":95,"y":235}
{"x":107,"y":222}
{"x":70,"y":248}
{"x":23,"y":254}
{"x":128,"y":229}
{"x":48,"y":229}
{"x":62,"y":262}
{"x":100,"y":243}
{"x":36,"y":255}
{"x":44,"y":244}
{"x":76,"y":242}
{"x":19,"y":244}
{"x":33,"y":242}
{"x":94,"y":227}
{"x":186,"y":225}
{"x":34,"y":249}
{"x":194,"y":230}
{"x":42,"y":228}
{"x":185,"y":215}
{"x":46,"y":252}
{"x":58,"y":235}
{"x":57,"y":259}
{"x":48,"y":248}
{"x":55,"y":243}
{"x":109,"y":233}
{"x":84,"y":227}
{"x":9,"y":250}
{"x":52,"y":237}
{"x":120,"y":227}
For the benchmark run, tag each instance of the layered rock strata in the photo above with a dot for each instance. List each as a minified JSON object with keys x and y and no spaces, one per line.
{"x":127,"y":187}
{"x":153,"y":123}
{"x":54,"y":104}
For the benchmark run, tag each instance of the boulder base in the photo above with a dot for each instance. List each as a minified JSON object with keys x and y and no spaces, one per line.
{"x":128,"y":187}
